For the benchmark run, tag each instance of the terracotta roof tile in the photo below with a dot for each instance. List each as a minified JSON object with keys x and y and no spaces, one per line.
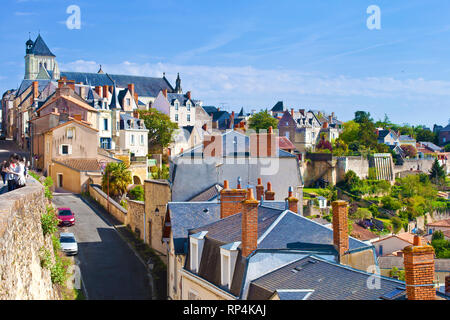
{"x":81,"y":164}
{"x":440,"y":223}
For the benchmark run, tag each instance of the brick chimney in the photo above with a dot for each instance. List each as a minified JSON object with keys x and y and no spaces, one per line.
{"x":325,"y":125}
{"x":105,"y":91}
{"x":136,"y":98}
{"x":231,"y":200}
{"x":340,"y":226}
{"x":99,"y":90}
{"x":188,"y":95}
{"x":292,"y":201}
{"x":164,"y":92}
{"x":71,"y":84}
{"x":270,"y":195}
{"x":249,"y":227}
{"x":263,"y":144}
{"x":259,"y":190}
{"x":292,"y":112}
{"x":131,"y":89}
{"x":35,"y":89}
{"x":419,"y":271}
{"x":212,"y":146}
{"x":447,"y":285}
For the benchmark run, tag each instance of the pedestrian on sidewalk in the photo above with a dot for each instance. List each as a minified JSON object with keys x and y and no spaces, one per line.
{"x":11,"y":172}
{"x":2,"y":168}
{"x":20,"y":170}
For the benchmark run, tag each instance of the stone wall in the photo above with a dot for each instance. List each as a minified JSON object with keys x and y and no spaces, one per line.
{"x":136,"y":212}
{"x":423,"y":165}
{"x":115,"y":209}
{"x":21,"y":238}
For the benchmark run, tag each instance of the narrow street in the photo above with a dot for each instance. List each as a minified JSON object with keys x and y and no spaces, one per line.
{"x":109,"y":268}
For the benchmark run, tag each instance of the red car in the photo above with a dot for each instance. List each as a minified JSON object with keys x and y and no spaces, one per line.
{"x":66,"y":217}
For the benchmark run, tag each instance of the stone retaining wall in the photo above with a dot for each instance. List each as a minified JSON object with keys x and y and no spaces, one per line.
{"x":21,"y":238}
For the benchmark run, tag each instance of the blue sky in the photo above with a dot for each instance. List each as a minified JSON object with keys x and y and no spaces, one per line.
{"x":252,"y":53}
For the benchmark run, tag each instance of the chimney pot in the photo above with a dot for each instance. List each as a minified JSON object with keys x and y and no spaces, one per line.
{"x":419,"y":266}
{"x":292,"y":202}
{"x":340,"y":226}
{"x":292,"y":112}
{"x":188,"y":95}
{"x":269,"y":194}
{"x":259,"y":190}
{"x":249,"y":227}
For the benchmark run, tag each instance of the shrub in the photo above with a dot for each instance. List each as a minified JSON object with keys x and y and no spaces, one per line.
{"x":59,"y":273}
{"x":48,"y":183}
{"x":390,"y":203}
{"x":137,"y":193}
{"x":397,"y":224}
{"x":45,"y":257}
{"x":49,"y":221}
{"x":398,"y":274}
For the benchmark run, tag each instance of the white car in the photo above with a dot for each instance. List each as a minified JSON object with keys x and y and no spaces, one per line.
{"x":68,"y":243}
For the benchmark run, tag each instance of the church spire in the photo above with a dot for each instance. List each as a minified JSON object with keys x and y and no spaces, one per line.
{"x":178,"y":85}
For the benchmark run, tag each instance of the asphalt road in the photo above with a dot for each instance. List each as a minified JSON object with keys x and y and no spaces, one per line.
{"x":109,"y":268}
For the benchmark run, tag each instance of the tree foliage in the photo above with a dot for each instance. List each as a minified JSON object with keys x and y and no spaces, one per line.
{"x":409,"y":150}
{"x":437,"y":173}
{"x":137,"y":193}
{"x":161,"y":129}
{"x":118,"y":177}
{"x":262,"y":121}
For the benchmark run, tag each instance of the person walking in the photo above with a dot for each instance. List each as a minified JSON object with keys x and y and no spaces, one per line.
{"x":20,"y":171}
{"x":3,"y":171}
{"x":11,"y":173}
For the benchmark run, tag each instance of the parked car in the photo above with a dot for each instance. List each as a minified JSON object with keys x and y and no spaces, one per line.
{"x":66,"y":217}
{"x":68,"y":243}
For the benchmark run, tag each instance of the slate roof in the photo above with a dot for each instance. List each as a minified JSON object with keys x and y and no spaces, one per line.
{"x":182,"y":98}
{"x":40,"y":48}
{"x":406,"y":138}
{"x":188,"y":215}
{"x":328,"y":280}
{"x":144,"y":86}
{"x":25,"y":84}
{"x":209,"y":109}
{"x":128,"y":122}
{"x":209,"y":194}
{"x":278,"y":107}
{"x":229,"y":229}
{"x":290,"y":294}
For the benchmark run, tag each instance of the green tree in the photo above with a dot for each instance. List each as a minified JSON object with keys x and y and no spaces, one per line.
{"x":397,"y":224}
{"x":437,"y":235}
{"x":262,"y":121}
{"x":447,"y":148}
{"x":350,"y":132}
{"x":161,"y":129}
{"x":391,"y":203}
{"x":118,"y":177}
{"x":423,"y":134}
{"x":362,"y":214}
{"x":437,"y":173}
{"x":160,"y":173}
{"x":362,"y":117}
{"x":137,"y":193}
{"x":441,"y":248}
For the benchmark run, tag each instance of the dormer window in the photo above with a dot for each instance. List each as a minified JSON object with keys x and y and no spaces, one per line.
{"x":188,"y":105}
{"x":228,"y":257}
{"x":176,"y":106}
{"x":196,"y":242}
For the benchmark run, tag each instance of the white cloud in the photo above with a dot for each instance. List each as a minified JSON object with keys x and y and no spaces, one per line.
{"x":261,"y":88}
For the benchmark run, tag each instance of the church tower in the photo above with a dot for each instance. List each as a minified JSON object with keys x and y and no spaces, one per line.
{"x":40,"y":62}
{"x":178,"y":85}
